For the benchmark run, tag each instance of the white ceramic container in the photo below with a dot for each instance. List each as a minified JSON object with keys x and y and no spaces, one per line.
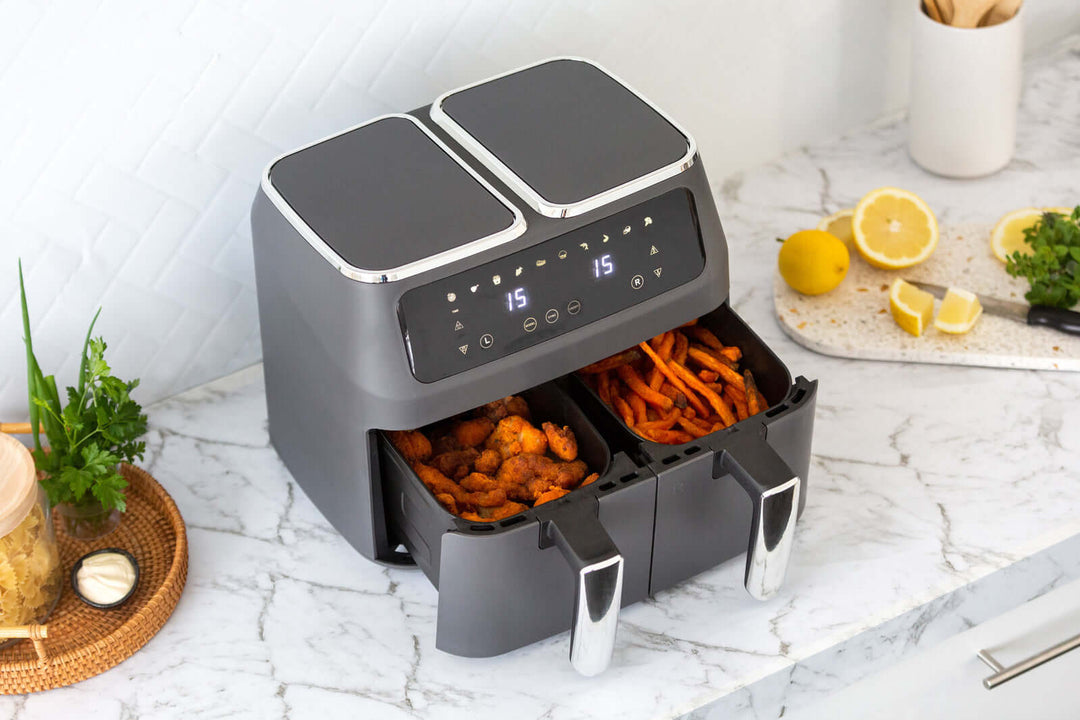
{"x":965,"y":89}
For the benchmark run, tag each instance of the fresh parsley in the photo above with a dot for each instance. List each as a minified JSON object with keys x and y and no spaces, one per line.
{"x":98,"y":428}
{"x":1053,"y":270}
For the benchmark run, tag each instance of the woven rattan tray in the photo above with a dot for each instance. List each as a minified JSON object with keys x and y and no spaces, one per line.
{"x":81,"y":641}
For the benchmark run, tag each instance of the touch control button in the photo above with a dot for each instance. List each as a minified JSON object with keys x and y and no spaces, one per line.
{"x":573,"y":307}
{"x":637,"y":282}
{"x":486,"y":341}
{"x":529,"y":324}
{"x":551,"y":316}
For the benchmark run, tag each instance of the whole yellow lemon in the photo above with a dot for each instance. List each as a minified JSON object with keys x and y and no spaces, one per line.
{"x":813,"y":261}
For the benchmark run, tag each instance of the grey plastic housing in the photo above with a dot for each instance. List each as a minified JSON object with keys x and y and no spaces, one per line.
{"x":337,"y":373}
{"x":336,"y":367}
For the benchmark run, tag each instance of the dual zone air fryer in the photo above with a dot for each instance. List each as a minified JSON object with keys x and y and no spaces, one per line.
{"x":384,"y":256}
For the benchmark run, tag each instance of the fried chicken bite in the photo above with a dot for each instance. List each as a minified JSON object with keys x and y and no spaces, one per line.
{"x":515,"y":435}
{"x":479,"y":482}
{"x":448,"y":502}
{"x":561,"y":441}
{"x":439,"y":484}
{"x":567,"y":475}
{"x":525,"y":477}
{"x":455,"y":464}
{"x":500,"y":409}
{"x":488,"y":462}
{"x":590,"y":479}
{"x":517,"y":472}
{"x":552,"y":493}
{"x":493,"y":498}
{"x":443,"y":444}
{"x":412,"y":444}
{"x":470,"y":433}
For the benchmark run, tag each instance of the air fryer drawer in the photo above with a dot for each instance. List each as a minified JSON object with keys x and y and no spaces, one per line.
{"x":499,"y":587}
{"x":703,"y":514}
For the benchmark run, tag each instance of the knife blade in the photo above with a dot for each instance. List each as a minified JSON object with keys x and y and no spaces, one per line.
{"x":1067,"y":321}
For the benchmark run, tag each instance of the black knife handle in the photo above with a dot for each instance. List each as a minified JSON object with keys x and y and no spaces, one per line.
{"x":1057,"y":318}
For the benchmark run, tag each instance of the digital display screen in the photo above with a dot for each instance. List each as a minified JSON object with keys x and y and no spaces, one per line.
{"x":603,"y":266}
{"x":555,"y":286}
{"x":517,"y":299}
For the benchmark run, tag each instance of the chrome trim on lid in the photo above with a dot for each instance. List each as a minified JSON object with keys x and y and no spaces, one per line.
{"x":529,"y":194}
{"x":514,"y":230}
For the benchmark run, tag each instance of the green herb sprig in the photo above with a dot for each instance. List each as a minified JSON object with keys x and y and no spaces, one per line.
{"x":1053,"y":270}
{"x":99,"y":426}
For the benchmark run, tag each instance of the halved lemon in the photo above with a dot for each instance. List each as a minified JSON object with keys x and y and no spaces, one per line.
{"x":912,"y":308}
{"x":1008,"y":235}
{"x":839,"y":225}
{"x":1066,"y":211}
{"x":894,"y":228}
{"x":959,"y":311}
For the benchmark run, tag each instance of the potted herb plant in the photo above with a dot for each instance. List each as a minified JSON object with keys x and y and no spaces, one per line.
{"x":97,"y":428}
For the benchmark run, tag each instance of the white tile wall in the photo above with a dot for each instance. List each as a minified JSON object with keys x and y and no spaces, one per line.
{"x":132,"y":133}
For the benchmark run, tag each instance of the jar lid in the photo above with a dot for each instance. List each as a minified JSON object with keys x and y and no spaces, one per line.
{"x":18,"y":483}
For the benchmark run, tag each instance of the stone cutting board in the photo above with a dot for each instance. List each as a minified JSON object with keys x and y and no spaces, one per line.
{"x":854,"y":320}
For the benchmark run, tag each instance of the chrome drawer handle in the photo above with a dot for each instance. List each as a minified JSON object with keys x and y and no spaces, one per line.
{"x":774,"y":491}
{"x":1003,"y":674}
{"x":598,"y":582}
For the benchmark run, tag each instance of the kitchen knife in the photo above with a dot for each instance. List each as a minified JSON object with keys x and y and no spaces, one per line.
{"x":1066,"y":321}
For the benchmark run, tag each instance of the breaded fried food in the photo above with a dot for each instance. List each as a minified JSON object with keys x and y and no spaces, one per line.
{"x":566,"y":475}
{"x":490,"y":499}
{"x":593,"y":477}
{"x":439,"y":484}
{"x":561,"y":441}
{"x":515,"y":435}
{"x":412,"y":444}
{"x":488,"y":462}
{"x":500,"y":409}
{"x":525,"y":477}
{"x":443,"y":444}
{"x":470,"y":433}
{"x":552,"y":493}
{"x":479,"y":482}
{"x":455,"y":464}
{"x":448,"y":502}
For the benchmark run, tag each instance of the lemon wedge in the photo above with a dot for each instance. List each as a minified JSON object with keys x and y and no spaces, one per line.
{"x":894,"y":228}
{"x":959,"y":311}
{"x":912,"y":308}
{"x":839,"y":225}
{"x":1008,"y":235}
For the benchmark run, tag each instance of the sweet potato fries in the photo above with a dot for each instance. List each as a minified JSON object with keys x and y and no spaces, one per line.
{"x":492,"y":463}
{"x":678,"y":386}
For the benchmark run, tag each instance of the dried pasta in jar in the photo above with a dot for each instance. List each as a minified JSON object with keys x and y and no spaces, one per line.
{"x":30,"y":572}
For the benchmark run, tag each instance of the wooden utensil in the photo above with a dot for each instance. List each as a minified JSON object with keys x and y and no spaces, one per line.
{"x":931,"y":8}
{"x":946,"y":8}
{"x":968,"y":13}
{"x":1001,"y":12}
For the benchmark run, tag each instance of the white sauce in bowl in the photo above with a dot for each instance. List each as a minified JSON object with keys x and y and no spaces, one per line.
{"x":105,"y":578}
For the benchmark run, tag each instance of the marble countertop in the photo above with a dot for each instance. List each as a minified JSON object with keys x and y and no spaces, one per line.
{"x":938,"y":496}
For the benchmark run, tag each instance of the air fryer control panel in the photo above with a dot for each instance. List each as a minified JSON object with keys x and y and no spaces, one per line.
{"x":507,"y":305}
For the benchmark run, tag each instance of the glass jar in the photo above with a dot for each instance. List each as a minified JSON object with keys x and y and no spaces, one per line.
{"x":30,"y":572}
{"x":87,"y":520}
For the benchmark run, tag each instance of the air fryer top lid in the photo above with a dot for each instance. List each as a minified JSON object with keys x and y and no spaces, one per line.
{"x":565,"y":135}
{"x":386,"y":200}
